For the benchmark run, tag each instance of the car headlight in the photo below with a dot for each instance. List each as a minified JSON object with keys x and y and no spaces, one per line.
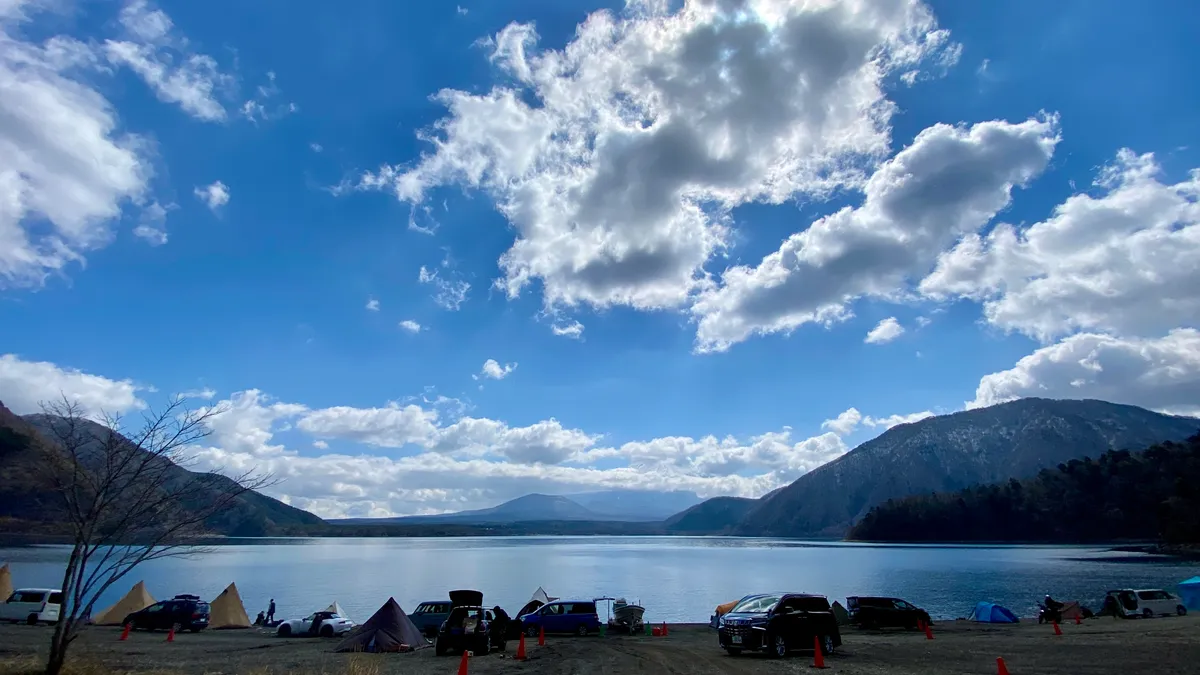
{"x":720,"y":621}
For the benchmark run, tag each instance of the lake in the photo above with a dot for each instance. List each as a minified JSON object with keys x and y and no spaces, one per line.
{"x":677,"y":579}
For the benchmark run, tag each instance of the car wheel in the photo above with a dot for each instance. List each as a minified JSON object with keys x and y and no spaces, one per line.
{"x":1181,"y":610}
{"x":778,"y":647}
{"x":826,"y":644}
{"x":284,"y":630}
{"x":326,"y":631}
{"x":582,"y":631}
{"x":532,"y":631}
{"x":438,"y":649}
{"x":32,"y":620}
{"x":1148,"y":613}
{"x":733,"y":651}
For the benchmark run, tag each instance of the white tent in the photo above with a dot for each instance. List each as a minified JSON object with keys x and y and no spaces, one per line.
{"x":337,"y":609}
{"x":540,"y":596}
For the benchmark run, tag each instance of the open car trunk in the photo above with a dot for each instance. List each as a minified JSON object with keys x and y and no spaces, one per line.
{"x":465,"y":598}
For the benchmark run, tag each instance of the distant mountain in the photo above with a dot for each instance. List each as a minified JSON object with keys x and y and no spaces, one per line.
{"x":636,"y":505}
{"x":952,"y":452}
{"x":22,"y":507}
{"x":532,"y":507}
{"x":1121,"y":495}
{"x":719,"y":515}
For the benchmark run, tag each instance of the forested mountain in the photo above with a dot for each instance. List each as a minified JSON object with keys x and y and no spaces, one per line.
{"x":952,"y":452}
{"x":26,"y":506}
{"x":1153,"y":494}
{"x":719,"y":515}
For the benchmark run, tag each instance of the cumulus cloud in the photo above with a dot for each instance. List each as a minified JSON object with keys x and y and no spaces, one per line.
{"x":166,"y":62}
{"x":573,"y":330}
{"x":1156,"y":373}
{"x":492,"y":369}
{"x":887,"y":330}
{"x":845,"y":423}
{"x":214,"y":196}
{"x":372,"y":305}
{"x":263,"y":108}
{"x":410,"y":326}
{"x":848,"y":421}
{"x":1122,"y":261}
{"x":951,"y":181}
{"x":619,"y":157}
{"x":152,"y":223}
{"x":25,"y":385}
{"x":449,"y":293}
{"x":65,"y":170}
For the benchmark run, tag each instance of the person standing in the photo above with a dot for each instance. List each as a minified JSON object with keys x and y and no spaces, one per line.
{"x":271,"y":611}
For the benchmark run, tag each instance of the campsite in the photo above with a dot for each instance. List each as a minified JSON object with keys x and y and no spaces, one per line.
{"x":1097,"y":646}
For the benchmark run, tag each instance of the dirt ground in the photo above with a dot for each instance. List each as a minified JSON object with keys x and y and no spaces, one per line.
{"x":1162,"y":646}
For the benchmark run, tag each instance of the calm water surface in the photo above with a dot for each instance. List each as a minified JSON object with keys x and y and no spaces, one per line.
{"x":675,"y":578}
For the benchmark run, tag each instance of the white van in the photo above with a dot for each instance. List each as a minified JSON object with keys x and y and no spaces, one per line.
{"x":32,"y":605}
{"x":1147,"y":602}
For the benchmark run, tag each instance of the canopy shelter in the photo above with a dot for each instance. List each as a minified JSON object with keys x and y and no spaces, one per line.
{"x":227,"y":610}
{"x":539,"y":598}
{"x":840,"y":613}
{"x":388,"y":630}
{"x":6,"y":588}
{"x":136,"y":599}
{"x":1189,"y":593}
{"x":337,"y":609}
{"x":990,"y":612}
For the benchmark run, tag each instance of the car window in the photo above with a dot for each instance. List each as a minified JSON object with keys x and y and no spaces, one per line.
{"x":900,"y":604}
{"x":422,"y":609}
{"x":27,"y":596}
{"x":761,"y":603}
{"x":550,"y":610}
{"x":811,"y":604}
{"x":56,"y":598}
{"x":1146,"y":595}
{"x":583,"y":608}
{"x":156,"y":607}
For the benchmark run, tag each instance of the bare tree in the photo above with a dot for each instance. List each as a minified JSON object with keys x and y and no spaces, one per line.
{"x":126,"y":500}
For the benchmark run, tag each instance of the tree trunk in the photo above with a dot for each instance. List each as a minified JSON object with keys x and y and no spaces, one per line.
{"x":66,"y":626}
{"x":58,"y":648}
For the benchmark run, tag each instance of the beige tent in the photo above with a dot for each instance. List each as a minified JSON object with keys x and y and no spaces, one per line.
{"x":336,"y":609}
{"x":1071,"y":610}
{"x":137,"y":598}
{"x":227,"y":611}
{"x":6,"y":588}
{"x":726,"y":608}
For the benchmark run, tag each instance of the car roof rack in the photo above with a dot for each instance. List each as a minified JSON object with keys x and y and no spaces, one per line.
{"x":185,"y":596}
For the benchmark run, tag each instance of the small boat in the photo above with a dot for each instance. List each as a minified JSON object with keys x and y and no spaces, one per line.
{"x":626,"y":616}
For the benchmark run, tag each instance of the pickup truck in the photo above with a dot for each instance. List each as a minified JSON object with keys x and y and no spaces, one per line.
{"x":778,"y":623}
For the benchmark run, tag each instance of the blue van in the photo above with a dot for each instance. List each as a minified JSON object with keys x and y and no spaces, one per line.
{"x":429,"y":615}
{"x":562,"y":616}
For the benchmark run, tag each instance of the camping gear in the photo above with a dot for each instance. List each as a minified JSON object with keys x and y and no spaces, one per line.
{"x":6,"y":587}
{"x":1189,"y":592}
{"x":627,"y":617}
{"x":990,"y":612}
{"x":840,"y":614}
{"x":535,"y":603}
{"x":137,"y":598}
{"x":336,"y":609}
{"x":227,"y":610}
{"x":388,"y":630}
{"x":721,"y":611}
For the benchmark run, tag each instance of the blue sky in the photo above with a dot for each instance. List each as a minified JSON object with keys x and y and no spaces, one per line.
{"x":701,"y":248}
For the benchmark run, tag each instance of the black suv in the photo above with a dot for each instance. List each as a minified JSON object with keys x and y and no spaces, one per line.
{"x":778,"y":623}
{"x":469,"y":627}
{"x":873,"y":612}
{"x":188,"y":612}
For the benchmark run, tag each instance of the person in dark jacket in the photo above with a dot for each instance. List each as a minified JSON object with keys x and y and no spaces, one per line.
{"x":500,"y":625}
{"x":271,"y":611}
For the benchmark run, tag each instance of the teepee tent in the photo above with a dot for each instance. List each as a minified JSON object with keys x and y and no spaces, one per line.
{"x":840,"y":614}
{"x":227,"y":611}
{"x":136,"y":599}
{"x":336,"y":609}
{"x":6,"y":588}
{"x":388,"y":630}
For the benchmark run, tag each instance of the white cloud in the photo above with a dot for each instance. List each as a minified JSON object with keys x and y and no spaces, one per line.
{"x":372,"y":305}
{"x":887,"y":330}
{"x":1122,"y":261}
{"x":848,"y":422}
{"x":493,"y":369}
{"x":449,"y":294}
{"x":206,"y":393}
{"x":152,"y":223}
{"x":462,"y":11}
{"x":573,"y":330}
{"x":320,"y":445}
{"x":260,"y":107}
{"x":410,"y":326}
{"x":65,"y":170}
{"x":391,"y":426}
{"x":619,"y":158}
{"x":1156,"y":373}
{"x":949,"y":182}
{"x":894,"y":420}
{"x":845,"y":423}
{"x":214,"y":196}
{"x":167,"y":63}
{"x":25,"y":385}
{"x":316,"y":147}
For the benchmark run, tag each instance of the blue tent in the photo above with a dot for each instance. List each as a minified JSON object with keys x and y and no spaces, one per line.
{"x":1189,"y":592}
{"x":990,"y":612}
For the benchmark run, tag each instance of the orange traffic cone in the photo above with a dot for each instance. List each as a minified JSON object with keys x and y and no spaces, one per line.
{"x":1001,"y":669}
{"x":171,"y":634}
{"x":125,"y":633}
{"x":818,"y":655}
{"x":928,"y":632}
{"x":541,"y":636}
{"x":1057,"y":630}
{"x":462,"y":665}
{"x":1078,"y":621}
{"x":664,"y":629}
{"x":521,"y":648}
